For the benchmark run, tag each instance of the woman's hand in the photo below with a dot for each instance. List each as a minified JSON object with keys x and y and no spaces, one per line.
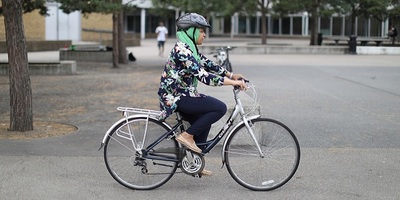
{"x":237,"y":76}
{"x":241,"y":84}
{"x":235,"y":80}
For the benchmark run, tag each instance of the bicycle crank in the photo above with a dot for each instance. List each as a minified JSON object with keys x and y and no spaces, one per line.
{"x":192,"y":163}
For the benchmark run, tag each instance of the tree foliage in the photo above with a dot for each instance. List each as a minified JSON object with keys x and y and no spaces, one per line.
{"x":378,"y":9}
{"x":91,"y":6}
{"x":31,"y":5}
{"x":203,"y":7}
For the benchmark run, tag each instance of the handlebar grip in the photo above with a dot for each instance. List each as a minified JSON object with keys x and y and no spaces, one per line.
{"x":236,"y":87}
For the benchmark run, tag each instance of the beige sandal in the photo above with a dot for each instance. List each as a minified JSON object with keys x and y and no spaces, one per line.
{"x":206,"y":173}
{"x":184,"y":142}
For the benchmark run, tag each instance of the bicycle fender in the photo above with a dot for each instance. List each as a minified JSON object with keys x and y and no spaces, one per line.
{"x":230,"y":134}
{"x":122,"y":120}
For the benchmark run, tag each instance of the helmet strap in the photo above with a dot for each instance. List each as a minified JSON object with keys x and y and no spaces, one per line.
{"x":193,"y":38}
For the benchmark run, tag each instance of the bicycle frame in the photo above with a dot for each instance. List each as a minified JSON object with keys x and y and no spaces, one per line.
{"x":210,"y":144}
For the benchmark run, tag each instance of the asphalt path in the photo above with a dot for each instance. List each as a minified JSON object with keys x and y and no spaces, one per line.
{"x":344,"y":109}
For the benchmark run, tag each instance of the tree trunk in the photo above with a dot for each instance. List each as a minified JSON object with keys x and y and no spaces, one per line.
{"x":353,"y":22}
{"x":115,"y":40}
{"x":263,"y":26}
{"x":314,"y":30}
{"x":264,"y":9}
{"x":21,"y":118}
{"x":121,"y":39}
{"x":314,"y":25}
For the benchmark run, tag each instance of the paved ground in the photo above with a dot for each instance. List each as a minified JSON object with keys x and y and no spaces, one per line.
{"x":345,"y":110}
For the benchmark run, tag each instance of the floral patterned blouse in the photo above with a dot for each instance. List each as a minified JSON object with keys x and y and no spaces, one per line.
{"x":181,"y":74}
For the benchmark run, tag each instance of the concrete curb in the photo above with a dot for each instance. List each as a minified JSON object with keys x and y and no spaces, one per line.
{"x":45,"y":67}
{"x":262,"y":49}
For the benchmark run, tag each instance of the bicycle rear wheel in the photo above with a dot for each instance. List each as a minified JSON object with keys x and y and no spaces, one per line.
{"x":281,"y":155}
{"x":128,"y":166}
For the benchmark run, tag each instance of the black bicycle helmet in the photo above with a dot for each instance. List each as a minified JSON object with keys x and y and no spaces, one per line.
{"x":191,"y":20}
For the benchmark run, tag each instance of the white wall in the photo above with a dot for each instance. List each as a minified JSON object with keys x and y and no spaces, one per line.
{"x":61,"y":26}
{"x":366,"y":50}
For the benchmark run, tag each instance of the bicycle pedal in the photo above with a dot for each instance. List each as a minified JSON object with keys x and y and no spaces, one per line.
{"x":197,"y":175}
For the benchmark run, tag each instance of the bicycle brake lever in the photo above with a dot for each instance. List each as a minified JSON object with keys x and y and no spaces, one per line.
{"x":245,"y":80}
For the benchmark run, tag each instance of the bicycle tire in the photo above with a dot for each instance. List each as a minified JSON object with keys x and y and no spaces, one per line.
{"x":228,"y":66}
{"x":281,"y":155}
{"x":127,"y":166}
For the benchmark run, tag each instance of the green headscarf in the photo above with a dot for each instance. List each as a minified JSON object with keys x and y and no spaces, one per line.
{"x":187,"y":39}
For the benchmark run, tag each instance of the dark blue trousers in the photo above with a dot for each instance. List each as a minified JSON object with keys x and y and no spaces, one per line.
{"x":201,"y":113}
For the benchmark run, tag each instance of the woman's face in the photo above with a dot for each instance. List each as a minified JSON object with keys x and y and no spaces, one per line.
{"x":201,"y":36}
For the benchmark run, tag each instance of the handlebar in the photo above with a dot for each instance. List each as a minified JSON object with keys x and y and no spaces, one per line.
{"x":236,"y":87}
{"x":224,"y":48}
{"x":227,"y":48}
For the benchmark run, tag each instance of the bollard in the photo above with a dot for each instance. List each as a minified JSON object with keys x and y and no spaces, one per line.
{"x":353,"y":44}
{"x":319,"y":39}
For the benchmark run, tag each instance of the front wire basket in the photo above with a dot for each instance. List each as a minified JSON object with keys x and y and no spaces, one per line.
{"x":251,"y":100}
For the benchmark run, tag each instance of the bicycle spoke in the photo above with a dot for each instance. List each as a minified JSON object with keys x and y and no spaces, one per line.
{"x":128,"y":166}
{"x":280,"y":161}
{"x":126,"y":147}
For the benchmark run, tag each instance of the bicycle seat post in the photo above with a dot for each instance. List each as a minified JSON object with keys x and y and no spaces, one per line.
{"x":179,"y":119}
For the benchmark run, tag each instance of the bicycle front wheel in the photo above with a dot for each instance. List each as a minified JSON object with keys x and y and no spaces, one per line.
{"x":228,"y":66}
{"x":125,"y":162}
{"x":267,"y":171}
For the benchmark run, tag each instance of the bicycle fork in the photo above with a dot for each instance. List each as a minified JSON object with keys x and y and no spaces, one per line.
{"x":245,"y":120}
{"x":249,"y":128}
{"x":239,"y":109}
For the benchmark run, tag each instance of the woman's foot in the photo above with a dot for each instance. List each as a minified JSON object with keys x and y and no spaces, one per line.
{"x":206,"y":173}
{"x":187,"y":140}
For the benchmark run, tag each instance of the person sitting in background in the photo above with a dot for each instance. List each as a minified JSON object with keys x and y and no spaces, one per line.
{"x":392,"y":34}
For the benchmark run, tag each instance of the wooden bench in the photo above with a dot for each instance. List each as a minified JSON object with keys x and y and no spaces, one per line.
{"x":337,"y":39}
{"x":363,"y":40}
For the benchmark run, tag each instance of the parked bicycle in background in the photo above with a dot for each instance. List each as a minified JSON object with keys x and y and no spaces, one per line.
{"x":222,"y":56}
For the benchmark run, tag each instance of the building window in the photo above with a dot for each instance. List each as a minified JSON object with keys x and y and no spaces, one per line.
{"x":286,"y":25}
{"x":325,"y":26}
{"x":275,"y":26}
{"x":376,"y":27}
{"x":337,"y":25}
{"x":297,"y":25}
{"x":133,"y":24}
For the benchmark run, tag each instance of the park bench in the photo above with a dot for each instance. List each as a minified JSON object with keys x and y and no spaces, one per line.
{"x":378,"y":40}
{"x":363,"y":40}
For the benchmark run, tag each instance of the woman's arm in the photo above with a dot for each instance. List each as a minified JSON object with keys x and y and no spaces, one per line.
{"x":240,"y":83}
{"x":233,"y":76}
{"x":210,"y":65}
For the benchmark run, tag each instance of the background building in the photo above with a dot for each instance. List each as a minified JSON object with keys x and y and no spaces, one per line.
{"x":143,"y":21}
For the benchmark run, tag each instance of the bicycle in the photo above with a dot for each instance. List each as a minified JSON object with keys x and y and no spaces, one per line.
{"x":222,"y":56}
{"x":260,"y":154}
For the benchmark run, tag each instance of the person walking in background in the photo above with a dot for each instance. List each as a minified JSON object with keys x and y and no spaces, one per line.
{"x":162,"y":33}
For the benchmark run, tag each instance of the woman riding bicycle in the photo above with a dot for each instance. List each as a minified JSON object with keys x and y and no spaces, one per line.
{"x":178,"y":85}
